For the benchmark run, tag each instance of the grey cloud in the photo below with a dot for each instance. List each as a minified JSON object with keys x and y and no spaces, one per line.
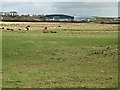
{"x":87,"y":8}
{"x":84,"y":4}
{"x":27,"y":7}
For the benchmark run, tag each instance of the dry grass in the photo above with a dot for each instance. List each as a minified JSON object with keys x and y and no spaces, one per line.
{"x":75,"y":26}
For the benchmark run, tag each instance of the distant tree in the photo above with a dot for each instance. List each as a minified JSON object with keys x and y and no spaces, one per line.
{"x":28,"y":15}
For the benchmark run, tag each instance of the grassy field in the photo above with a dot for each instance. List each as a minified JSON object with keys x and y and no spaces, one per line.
{"x":0,"y":58}
{"x":77,"y":56}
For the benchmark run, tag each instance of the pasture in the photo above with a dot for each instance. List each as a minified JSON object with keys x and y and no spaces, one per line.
{"x":79,"y":55}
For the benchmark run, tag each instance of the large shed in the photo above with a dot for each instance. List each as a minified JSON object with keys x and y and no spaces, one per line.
{"x":59,"y":17}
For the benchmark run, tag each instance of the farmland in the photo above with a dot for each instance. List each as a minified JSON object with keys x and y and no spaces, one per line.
{"x":79,"y":55}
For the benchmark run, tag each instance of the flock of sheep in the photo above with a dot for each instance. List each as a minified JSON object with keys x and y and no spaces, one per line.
{"x":11,"y":29}
{"x":45,"y":30}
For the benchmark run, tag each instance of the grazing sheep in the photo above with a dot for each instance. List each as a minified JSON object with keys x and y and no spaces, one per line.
{"x":19,"y":29}
{"x":11,"y":29}
{"x":45,"y":30}
{"x":27,"y":27}
{"x":8,"y":29}
{"x":53,"y":31}
{"x":3,"y":28}
{"x":59,"y":26}
{"x":45,"y":27}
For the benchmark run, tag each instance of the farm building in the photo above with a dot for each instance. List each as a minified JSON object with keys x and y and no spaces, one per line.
{"x":85,"y":19}
{"x":12,"y":13}
{"x":59,"y":17}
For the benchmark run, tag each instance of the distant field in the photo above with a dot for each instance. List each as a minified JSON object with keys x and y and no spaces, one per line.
{"x":75,"y":26}
{"x":79,"y":55}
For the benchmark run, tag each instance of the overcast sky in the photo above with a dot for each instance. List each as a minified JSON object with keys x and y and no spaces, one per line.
{"x":60,"y":0}
{"x":69,"y":8}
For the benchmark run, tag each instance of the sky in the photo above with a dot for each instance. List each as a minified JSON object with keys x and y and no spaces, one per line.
{"x":76,"y":8}
{"x":61,"y":0}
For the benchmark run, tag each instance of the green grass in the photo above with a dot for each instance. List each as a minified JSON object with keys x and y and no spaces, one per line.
{"x":73,"y":59}
{"x":0,"y":59}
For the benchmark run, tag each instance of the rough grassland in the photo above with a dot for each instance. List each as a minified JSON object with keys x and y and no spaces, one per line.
{"x":77,"y":56}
